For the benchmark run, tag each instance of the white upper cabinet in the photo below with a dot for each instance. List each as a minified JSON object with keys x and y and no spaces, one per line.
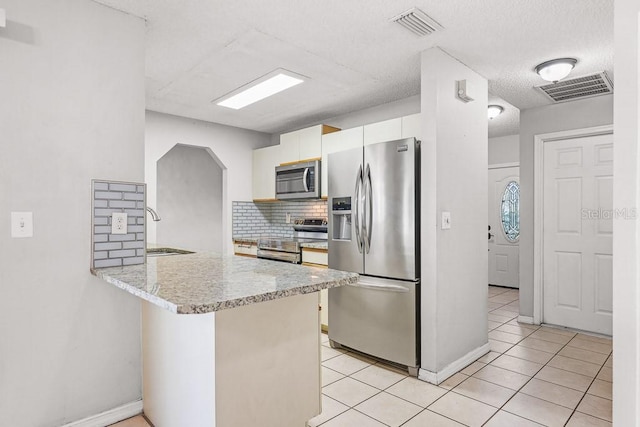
{"x":265,"y":161}
{"x":338,"y":141}
{"x":383,"y":131}
{"x":303,"y":144}
{"x":412,"y":126}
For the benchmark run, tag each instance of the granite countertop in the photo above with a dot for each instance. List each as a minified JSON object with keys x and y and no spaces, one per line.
{"x":315,"y":245}
{"x":206,"y":282}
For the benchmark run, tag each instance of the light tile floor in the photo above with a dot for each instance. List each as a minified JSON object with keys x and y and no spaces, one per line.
{"x":533,"y":376}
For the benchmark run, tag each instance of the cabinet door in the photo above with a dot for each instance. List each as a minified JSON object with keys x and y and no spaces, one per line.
{"x":310,"y":145}
{"x":383,"y":131}
{"x":337,"y":141}
{"x":412,"y":126}
{"x":289,"y":147}
{"x":245,"y":249}
{"x":265,"y":161}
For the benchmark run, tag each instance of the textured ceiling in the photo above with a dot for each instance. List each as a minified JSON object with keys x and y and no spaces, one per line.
{"x":199,"y":50}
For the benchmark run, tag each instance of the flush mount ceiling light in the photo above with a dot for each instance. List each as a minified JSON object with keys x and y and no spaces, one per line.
{"x":556,"y":69}
{"x":494,"y":111}
{"x":267,"y":85}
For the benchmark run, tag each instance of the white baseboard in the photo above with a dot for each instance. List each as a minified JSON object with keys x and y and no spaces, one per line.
{"x":526,"y":319}
{"x":111,"y":416}
{"x":452,"y":368}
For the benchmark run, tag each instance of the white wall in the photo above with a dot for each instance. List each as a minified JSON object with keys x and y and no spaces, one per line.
{"x":232,"y":146}
{"x":504,"y":149}
{"x":626,"y":244}
{"x":189,"y":197}
{"x":553,"y":118}
{"x":454,"y":179}
{"x":72,"y":109}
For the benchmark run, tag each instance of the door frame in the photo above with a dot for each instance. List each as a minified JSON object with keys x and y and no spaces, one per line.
{"x":538,"y":212}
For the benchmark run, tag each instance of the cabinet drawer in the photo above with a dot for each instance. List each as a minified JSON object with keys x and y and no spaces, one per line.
{"x":245,"y":249}
{"x":315,"y":256}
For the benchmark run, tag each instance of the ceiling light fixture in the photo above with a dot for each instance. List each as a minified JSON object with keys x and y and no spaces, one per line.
{"x":267,"y":85}
{"x":556,"y":69}
{"x":494,"y":111}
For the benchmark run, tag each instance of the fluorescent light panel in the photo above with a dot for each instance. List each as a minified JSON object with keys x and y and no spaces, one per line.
{"x":268,"y":85}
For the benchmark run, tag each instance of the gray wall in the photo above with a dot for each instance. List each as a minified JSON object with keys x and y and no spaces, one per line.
{"x":504,"y":149}
{"x":72,"y":109}
{"x":189,"y":199}
{"x":553,"y":118}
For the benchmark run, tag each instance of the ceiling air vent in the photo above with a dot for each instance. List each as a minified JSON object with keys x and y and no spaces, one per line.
{"x":578,"y":88}
{"x":417,"y":22}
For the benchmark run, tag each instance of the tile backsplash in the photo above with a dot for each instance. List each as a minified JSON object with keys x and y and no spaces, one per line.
{"x":114,"y":250}
{"x":252,"y":220}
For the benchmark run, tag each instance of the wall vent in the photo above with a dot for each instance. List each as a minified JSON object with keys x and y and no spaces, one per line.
{"x":578,"y":88}
{"x":417,"y":22}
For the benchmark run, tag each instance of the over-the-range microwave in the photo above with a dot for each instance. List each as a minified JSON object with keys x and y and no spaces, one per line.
{"x":298,"y":181}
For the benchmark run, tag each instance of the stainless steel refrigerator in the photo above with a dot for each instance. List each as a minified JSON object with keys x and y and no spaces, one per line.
{"x":374,"y":230}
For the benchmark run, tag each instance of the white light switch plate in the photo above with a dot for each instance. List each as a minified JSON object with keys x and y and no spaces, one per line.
{"x":118,"y":223}
{"x":21,"y":224}
{"x":446,"y":220}
{"x":3,"y":18}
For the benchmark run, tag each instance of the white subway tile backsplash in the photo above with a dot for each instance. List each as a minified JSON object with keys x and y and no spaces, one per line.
{"x":122,"y":253}
{"x":251,"y":220}
{"x":129,"y":188}
{"x":116,"y":262}
{"x":107,"y":246}
{"x":112,"y":250}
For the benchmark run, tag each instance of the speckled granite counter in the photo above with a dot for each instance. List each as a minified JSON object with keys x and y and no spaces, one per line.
{"x":315,"y":245}
{"x":203,"y":282}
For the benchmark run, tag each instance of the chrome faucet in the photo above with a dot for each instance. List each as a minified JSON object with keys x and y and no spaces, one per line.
{"x":154,"y":214}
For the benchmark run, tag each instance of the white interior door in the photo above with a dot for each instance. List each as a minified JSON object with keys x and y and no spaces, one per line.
{"x":577,"y":233}
{"x":504,"y":226}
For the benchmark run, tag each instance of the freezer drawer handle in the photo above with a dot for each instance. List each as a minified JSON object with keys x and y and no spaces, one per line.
{"x":378,"y":286}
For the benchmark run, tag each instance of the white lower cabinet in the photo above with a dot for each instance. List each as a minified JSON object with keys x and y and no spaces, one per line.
{"x":319,"y":258}
{"x":245,"y":249}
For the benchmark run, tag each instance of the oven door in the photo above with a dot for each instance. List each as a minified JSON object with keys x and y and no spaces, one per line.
{"x":292,"y":257}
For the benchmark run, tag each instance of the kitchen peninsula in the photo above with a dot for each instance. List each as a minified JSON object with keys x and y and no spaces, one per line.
{"x":228,"y":341}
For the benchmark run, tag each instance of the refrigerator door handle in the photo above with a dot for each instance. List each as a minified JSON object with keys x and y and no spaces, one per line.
{"x":358,"y":192}
{"x":378,"y":286}
{"x":368,"y":213}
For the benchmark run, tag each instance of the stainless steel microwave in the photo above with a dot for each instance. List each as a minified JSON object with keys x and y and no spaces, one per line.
{"x":298,"y":181}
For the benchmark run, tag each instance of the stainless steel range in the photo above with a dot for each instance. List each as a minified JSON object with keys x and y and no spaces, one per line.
{"x":289,"y":249}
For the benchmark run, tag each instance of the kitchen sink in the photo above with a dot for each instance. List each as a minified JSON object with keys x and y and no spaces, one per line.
{"x":154,"y":252}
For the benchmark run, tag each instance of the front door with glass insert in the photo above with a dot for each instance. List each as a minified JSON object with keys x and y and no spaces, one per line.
{"x":504,"y":226}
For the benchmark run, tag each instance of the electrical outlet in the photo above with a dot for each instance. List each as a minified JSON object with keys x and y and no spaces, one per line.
{"x":21,"y":224}
{"x":118,"y":223}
